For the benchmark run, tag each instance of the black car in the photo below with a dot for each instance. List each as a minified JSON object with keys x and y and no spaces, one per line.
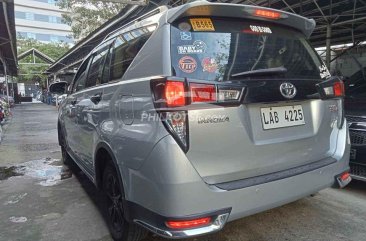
{"x":355,"y":107}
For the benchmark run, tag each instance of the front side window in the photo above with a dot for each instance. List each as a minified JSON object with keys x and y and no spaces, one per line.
{"x":80,"y":77}
{"x":228,"y":47}
{"x":96,"y":67}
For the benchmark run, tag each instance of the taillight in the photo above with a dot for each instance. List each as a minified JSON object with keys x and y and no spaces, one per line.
{"x":173,"y":96}
{"x":176,"y":122}
{"x":338,"y":89}
{"x":333,"y":88}
{"x":202,"y":92}
{"x":187,"y":224}
{"x":175,"y":93}
{"x":263,"y":13}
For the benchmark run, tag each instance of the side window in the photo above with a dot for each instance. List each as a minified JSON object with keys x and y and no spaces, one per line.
{"x":117,"y":66}
{"x":125,"y":50}
{"x":96,"y":67}
{"x":80,"y":77}
{"x":107,"y":67}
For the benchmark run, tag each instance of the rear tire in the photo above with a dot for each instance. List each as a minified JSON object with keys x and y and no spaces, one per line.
{"x":120,"y":229}
{"x":66,"y":159}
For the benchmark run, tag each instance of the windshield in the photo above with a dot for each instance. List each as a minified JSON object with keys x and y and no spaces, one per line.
{"x":223,"y":49}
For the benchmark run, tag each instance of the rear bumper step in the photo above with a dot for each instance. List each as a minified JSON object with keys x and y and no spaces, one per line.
{"x":252,"y":181}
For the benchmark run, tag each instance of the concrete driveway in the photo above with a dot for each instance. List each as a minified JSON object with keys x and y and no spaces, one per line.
{"x":38,"y":205}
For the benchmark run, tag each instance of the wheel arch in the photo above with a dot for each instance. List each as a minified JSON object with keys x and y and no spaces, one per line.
{"x":104,"y":155}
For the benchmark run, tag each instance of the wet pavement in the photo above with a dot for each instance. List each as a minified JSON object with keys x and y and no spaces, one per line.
{"x":40,"y":199}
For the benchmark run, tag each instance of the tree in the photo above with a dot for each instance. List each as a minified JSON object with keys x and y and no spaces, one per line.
{"x":30,"y":72}
{"x":87,"y":15}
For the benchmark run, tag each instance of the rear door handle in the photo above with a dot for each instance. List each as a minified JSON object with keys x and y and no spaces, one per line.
{"x":96,"y":98}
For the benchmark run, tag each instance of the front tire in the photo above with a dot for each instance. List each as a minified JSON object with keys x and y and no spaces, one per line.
{"x":120,"y":229}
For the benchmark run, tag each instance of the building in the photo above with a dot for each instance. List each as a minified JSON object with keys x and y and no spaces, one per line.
{"x":41,"y":20}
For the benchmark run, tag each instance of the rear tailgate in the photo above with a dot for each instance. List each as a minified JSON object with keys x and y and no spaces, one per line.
{"x":240,"y":148}
{"x":277,"y":122}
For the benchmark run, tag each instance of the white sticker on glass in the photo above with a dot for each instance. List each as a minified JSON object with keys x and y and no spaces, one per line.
{"x":198,"y":47}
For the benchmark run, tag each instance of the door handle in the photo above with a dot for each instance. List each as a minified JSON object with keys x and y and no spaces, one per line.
{"x":96,"y":98}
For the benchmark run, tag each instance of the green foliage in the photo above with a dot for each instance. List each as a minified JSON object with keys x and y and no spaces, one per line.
{"x":87,"y":15}
{"x":31,"y":73}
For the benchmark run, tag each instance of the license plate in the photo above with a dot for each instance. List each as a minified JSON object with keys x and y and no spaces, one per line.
{"x":282,"y":116}
{"x":353,"y":154}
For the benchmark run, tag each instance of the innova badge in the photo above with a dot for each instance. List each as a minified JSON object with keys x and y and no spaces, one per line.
{"x":288,"y":90}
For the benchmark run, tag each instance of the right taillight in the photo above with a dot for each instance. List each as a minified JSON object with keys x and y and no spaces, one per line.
{"x":338,"y":89}
{"x":333,"y":88}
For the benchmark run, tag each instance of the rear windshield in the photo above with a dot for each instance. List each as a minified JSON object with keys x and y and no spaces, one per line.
{"x":217,"y":49}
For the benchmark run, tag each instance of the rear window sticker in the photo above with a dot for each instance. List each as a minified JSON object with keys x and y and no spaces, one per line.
{"x":209,"y":65}
{"x":198,"y":47}
{"x":187,"y":64}
{"x":260,"y":29}
{"x":185,"y":36}
{"x":185,"y":27}
{"x":324,"y":72}
{"x":202,"y":24}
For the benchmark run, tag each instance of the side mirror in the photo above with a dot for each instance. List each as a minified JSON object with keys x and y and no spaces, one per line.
{"x":59,"y":88}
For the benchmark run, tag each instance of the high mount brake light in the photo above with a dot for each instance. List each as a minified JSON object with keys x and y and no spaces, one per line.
{"x":267,"y":14}
{"x":187,"y":224}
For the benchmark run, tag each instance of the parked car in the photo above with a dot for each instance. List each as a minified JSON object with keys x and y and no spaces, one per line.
{"x":198,"y":115}
{"x":355,"y":108}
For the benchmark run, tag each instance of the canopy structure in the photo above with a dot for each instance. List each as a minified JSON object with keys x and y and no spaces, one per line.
{"x":36,"y":53}
{"x":338,"y":22}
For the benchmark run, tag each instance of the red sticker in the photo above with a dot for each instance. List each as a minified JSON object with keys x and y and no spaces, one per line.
{"x":188,"y":64}
{"x":209,"y":64}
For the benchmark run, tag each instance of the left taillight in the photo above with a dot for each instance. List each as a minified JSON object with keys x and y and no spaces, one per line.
{"x":173,"y":96}
{"x":169,"y":95}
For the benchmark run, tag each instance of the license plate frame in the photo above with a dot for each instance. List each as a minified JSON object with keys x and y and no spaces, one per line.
{"x":282,"y":116}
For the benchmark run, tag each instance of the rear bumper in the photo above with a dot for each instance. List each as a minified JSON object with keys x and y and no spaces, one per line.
{"x":167,"y":185}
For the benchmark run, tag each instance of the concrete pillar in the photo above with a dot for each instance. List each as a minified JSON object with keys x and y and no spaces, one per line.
{"x":327,"y":44}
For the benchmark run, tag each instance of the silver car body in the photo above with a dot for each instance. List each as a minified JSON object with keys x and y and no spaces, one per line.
{"x":231,"y":168}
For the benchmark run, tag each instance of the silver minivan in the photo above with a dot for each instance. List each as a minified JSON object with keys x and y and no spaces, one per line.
{"x":191,"y":117}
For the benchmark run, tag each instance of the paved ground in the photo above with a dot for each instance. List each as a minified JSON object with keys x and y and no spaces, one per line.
{"x":40,"y":206}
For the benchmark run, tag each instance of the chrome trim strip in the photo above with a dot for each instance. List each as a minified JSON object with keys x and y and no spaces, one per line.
{"x":360,"y":178}
{"x":216,"y":225}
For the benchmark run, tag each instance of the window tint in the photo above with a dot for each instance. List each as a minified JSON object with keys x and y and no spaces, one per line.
{"x":80,"y":77}
{"x":107,"y":67}
{"x":96,"y":67}
{"x":125,"y":50}
{"x":242,"y":46}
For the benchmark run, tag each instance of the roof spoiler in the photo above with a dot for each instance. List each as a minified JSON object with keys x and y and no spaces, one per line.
{"x":204,"y":8}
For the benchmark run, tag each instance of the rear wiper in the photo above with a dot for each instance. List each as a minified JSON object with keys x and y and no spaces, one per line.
{"x":261,"y":72}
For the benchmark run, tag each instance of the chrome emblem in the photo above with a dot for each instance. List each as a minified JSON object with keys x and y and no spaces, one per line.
{"x":288,"y":90}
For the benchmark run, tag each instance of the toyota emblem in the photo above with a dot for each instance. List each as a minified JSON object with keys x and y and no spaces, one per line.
{"x":288,"y":90}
